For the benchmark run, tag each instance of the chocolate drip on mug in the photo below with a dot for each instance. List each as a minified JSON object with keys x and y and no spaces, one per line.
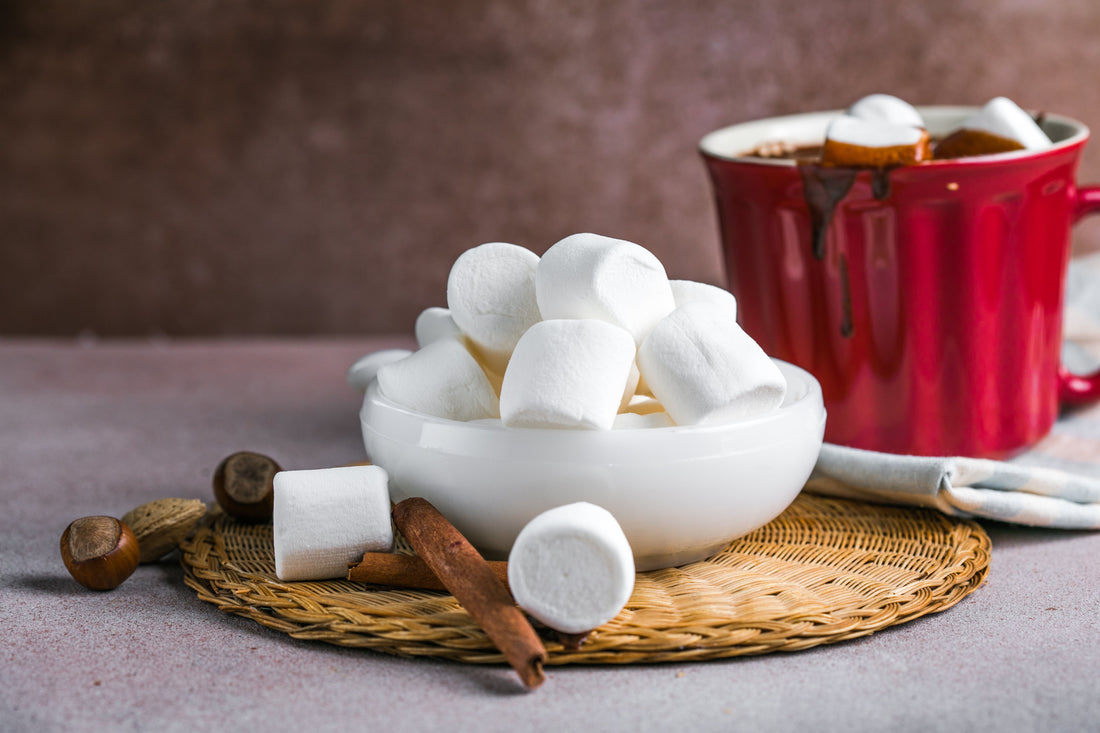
{"x":846,"y":326}
{"x":880,"y":183}
{"x":823,"y":188}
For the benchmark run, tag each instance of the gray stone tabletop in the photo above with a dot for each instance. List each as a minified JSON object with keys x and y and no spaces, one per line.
{"x":91,"y":427}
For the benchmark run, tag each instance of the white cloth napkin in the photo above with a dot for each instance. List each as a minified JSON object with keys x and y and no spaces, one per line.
{"x":1056,"y":484}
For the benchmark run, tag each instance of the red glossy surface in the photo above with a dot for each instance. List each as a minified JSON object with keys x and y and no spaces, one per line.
{"x":933,"y":317}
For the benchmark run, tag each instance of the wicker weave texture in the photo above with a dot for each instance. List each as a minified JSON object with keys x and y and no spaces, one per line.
{"x":825,"y":571}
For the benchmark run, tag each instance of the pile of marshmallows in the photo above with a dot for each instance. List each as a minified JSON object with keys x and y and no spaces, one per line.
{"x":883,"y":130}
{"x":592,"y":335}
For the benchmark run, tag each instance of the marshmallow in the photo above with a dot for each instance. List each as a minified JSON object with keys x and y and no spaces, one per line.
{"x":852,"y":141}
{"x":323,"y":519}
{"x":572,"y":568}
{"x":567,"y":374}
{"x":638,"y":421}
{"x":633,"y":379}
{"x":643,"y":405}
{"x":366,"y":368}
{"x":441,"y":379}
{"x":689,"y":291}
{"x":1000,"y":126}
{"x":491,"y":297}
{"x":886,"y":108}
{"x":434,"y":324}
{"x":706,"y":370}
{"x":592,"y":276}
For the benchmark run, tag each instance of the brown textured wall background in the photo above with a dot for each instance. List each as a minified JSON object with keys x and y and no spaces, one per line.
{"x":197,"y":167}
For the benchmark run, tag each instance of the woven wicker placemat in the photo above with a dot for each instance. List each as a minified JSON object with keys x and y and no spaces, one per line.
{"x":824,"y":571}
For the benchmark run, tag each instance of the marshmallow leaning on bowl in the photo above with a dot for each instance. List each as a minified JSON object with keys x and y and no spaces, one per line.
{"x":442,"y":379}
{"x":592,"y":276}
{"x":572,"y":568}
{"x":491,"y":297}
{"x":323,"y":519}
{"x":567,"y":373}
{"x":886,"y":108}
{"x":366,"y":367}
{"x":705,"y":370}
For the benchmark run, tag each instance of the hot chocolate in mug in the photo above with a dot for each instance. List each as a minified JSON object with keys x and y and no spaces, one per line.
{"x":926,"y":299}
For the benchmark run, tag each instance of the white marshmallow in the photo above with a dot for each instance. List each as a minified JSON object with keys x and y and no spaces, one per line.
{"x":689,"y":291}
{"x":639,"y":421}
{"x":872,"y":133}
{"x":632,"y":380}
{"x":366,"y":367}
{"x":442,"y":379}
{"x":572,"y":568}
{"x":592,"y":276}
{"x":706,"y":370}
{"x":643,"y":405}
{"x":491,"y":297}
{"x":886,"y":108}
{"x":1004,"y":118}
{"x":325,"y":518}
{"x":567,"y":374}
{"x":434,"y":324}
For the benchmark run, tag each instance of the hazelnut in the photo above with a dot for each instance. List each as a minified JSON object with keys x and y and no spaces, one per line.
{"x":243,"y":486}
{"x":160,"y":525}
{"x":99,"y":552}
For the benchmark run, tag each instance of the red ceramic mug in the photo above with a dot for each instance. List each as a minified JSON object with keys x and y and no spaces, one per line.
{"x":927,"y":300}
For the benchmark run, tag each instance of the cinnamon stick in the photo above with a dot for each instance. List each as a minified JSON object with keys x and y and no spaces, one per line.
{"x":466,"y":574}
{"x":407,"y":571}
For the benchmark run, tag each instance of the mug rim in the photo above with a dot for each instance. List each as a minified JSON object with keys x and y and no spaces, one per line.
{"x":715,"y":143}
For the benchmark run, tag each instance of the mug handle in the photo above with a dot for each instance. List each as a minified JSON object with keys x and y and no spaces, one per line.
{"x":1078,"y":389}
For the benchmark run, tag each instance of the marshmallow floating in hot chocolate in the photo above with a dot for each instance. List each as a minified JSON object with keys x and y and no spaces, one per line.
{"x":1000,"y":126}
{"x":491,"y":297}
{"x":886,"y":108}
{"x":705,"y":370}
{"x":572,"y":568}
{"x":442,"y":379}
{"x":323,"y":519}
{"x":592,"y":276}
{"x":855,"y":142}
{"x":567,"y":373}
{"x":877,"y":132}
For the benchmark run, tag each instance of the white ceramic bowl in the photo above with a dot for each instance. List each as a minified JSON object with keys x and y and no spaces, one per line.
{"x":679,"y":493}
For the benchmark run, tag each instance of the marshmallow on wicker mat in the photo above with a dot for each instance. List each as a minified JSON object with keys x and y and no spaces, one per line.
{"x":567,"y":373}
{"x":572,"y":568}
{"x":705,"y":370}
{"x":442,"y":379}
{"x":323,"y":519}
{"x":613,"y":280}
{"x":491,"y":297}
